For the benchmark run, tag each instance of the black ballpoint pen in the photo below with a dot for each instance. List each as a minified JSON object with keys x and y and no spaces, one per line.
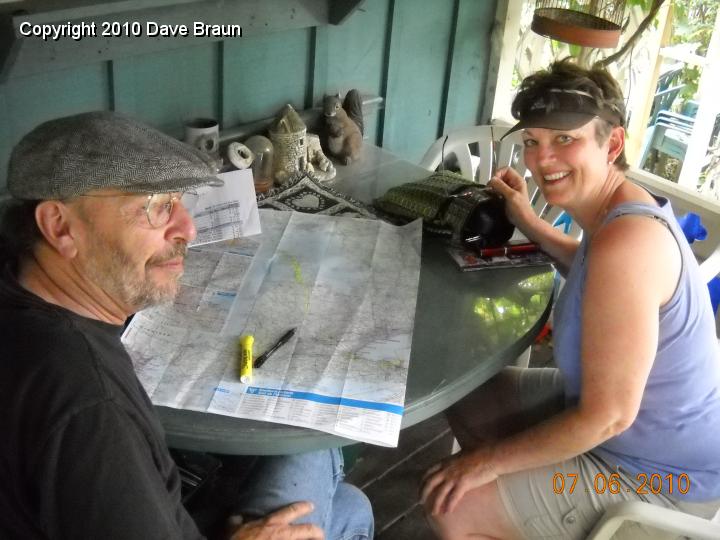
{"x":260,"y":360}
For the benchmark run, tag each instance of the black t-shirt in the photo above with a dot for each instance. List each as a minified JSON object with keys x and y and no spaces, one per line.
{"x":82,"y":453}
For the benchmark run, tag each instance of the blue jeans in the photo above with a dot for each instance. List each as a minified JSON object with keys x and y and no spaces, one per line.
{"x":341,"y":510}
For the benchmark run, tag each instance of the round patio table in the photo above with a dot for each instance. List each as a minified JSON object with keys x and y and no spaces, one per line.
{"x":468,"y":326}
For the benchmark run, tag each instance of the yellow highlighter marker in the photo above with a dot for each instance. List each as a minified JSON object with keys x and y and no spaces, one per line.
{"x":246,"y":359}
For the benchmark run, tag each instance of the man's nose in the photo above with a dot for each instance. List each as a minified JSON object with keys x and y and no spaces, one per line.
{"x":181,"y":225}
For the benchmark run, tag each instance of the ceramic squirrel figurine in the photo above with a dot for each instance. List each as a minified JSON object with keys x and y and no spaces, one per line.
{"x":344,"y":126}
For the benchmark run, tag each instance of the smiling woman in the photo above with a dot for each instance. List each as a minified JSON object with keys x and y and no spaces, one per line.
{"x":620,"y":408}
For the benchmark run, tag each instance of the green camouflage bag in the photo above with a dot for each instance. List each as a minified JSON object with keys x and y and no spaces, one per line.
{"x":450,"y":204}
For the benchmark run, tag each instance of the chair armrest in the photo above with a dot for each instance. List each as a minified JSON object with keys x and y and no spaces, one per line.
{"x":677,"y":119}
{"x":655,"y":516}
{"x":675,"y":88}
{"x":710,"y":267}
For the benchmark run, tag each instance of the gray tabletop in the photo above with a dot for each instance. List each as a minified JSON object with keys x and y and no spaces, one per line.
{"x":468,"y":325}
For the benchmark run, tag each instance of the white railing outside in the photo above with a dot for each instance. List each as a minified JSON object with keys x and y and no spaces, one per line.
{"x":685,"y":200}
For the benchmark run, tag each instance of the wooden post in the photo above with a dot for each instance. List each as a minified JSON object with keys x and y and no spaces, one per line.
{"x":504,"y":40}
{"x":641,"y":97}
{"x":707,"y":112}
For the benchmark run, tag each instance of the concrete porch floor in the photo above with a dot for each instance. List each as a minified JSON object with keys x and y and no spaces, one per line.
{"x":391,"y":476}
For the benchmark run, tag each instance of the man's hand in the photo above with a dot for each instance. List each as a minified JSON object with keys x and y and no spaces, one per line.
{"x":278,"y":526}
{"x":445,"y":483}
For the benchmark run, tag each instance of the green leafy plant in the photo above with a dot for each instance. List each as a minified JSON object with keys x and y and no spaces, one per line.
{"x":693,"y":25}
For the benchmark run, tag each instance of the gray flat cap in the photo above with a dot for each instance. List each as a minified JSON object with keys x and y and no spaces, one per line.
{"x":76,"y":154}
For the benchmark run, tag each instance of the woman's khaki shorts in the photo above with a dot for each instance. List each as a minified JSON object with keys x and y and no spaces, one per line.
{"x":540,"y":502}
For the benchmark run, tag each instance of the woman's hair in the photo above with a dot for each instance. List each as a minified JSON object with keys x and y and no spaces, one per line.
{"x":18,"y":230}
{"x":566,"y":75}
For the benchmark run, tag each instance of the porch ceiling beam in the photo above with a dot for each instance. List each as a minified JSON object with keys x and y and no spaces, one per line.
{"x":22,"y":55}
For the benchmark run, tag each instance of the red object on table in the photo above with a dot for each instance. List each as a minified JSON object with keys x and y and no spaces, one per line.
{"x":508,"y":250}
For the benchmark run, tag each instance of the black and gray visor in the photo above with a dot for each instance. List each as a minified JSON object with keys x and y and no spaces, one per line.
{"x":564,"y":109}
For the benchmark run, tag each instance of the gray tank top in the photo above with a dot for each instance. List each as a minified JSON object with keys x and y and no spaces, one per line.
{"x":677,"y":429}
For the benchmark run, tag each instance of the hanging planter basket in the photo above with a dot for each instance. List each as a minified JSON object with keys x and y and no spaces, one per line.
{"x":589,"y":23}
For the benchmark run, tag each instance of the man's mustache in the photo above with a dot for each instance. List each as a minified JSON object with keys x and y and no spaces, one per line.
{"x":175,"y":251}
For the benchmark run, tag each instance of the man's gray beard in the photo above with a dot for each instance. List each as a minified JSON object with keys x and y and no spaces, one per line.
{"x":116,"y":277}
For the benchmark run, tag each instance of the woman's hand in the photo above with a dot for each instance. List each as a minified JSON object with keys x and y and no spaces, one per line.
{"x":445,"y":483}
{"x":278,"y":526}
{"x":513,"y":188}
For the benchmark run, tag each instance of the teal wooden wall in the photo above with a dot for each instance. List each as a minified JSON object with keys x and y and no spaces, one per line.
{"x":427,"y":58}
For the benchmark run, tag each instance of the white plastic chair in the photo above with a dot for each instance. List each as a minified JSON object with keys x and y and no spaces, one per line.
{"x":672,"y":521}
{"x":474,"y":163}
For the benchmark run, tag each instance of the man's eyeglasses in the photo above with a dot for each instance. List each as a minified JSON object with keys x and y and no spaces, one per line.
{"x":158,"y":206}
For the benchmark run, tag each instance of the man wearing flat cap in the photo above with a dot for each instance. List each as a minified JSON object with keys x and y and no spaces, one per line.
{"x":95,"y":231}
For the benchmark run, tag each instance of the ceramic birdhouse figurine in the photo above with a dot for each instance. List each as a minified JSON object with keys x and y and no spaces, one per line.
{"x":289,"y":137}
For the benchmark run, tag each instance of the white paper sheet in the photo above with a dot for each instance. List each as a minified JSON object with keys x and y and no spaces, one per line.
{"x":226,"y":212}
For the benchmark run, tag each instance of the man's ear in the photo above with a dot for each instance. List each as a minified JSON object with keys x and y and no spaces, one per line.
{"x":616,"y":143}
{"x":54,"y":219}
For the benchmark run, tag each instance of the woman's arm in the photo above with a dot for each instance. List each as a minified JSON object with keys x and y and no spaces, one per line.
{"x":561,"y":247}
{"x":633,"y":270}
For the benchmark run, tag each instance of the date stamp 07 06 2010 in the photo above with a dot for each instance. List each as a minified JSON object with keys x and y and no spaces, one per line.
{"x":602,"y":483}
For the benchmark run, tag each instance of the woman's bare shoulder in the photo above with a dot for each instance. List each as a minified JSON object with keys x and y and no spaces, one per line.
{"x":628,"y":193}
{"x":638,"y":248}
{"x":633,"y":230}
